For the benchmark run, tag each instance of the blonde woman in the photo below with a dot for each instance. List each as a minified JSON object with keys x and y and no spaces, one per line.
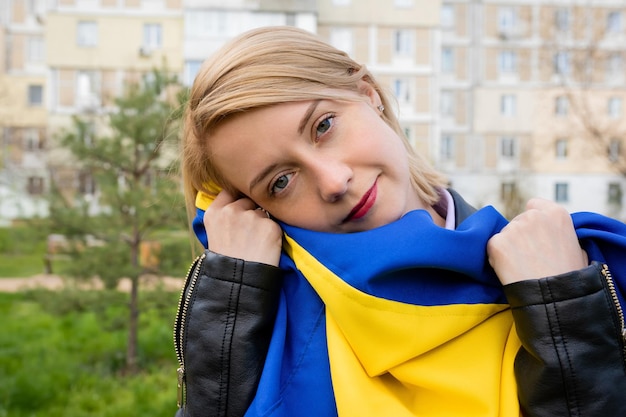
{"x":342,"y":277}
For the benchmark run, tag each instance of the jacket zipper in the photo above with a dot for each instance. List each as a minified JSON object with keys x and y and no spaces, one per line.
{"x":181,"y":321}
{"x":620,"y":312}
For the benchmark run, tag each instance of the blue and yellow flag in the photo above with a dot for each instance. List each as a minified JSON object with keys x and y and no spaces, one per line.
{"x":404,"y":320}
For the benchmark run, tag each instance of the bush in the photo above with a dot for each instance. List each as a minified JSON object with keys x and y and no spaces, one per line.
{"x":62,"y":355}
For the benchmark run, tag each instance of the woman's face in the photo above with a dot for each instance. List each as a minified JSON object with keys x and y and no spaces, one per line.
{"x":332,"y":166}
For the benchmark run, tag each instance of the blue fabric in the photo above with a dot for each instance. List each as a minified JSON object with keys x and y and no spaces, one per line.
{"x":411,"y":260}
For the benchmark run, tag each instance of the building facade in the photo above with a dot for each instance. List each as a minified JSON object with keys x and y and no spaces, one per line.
{"x":510,"y":98}
{"x":531,"y":102}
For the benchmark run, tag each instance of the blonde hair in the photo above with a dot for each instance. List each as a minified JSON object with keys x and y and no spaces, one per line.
{"x":268,"y":66}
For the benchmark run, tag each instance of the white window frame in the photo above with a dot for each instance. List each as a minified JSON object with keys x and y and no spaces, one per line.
{"x":615,"y":193}
{"x":35,"y":95}
{"x":561,"y":105}
{"x":403,"y":45}
{"x":88,"y":89}
{"x":152,"y":36}
{"x":402,"y":90}
{"x":35,"y":49}
{"x":615,"y":149}
{"x":507,"y":19}
{"x":342,"y":38}
{"x":561,"y":192}
{"x":563,"y":19}
{"x":447,"y":103}
{"x":403,"y":4}
{"x":507,"y":62}
{"x":508,"y":147}
{"x":447,"y":150}
{"x":508,"y":104}
{"x":614,"y":107}
{"x":192,"y":67}
{"x":87,"y":33}
{"x":447,"y":59}
{"x":32,"y":141}
{"x":614,"y":22}
{"x":561,"y":148}
{"x":615,"y":64}
{"x":448,"y":18}
{"x":562,"y":63}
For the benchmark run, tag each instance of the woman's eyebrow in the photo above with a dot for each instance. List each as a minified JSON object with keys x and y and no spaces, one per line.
{"x":268,"y":170}
{"x":307,"y":116}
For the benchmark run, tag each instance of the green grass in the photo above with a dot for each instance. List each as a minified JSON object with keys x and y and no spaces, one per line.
{"x":62,"y":354}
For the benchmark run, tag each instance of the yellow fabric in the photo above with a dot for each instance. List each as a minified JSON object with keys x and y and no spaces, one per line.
{"x":389,"y":358}
{"x":203,"y":201}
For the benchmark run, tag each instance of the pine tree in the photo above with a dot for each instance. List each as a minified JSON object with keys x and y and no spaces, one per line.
{"x":127,"y":157}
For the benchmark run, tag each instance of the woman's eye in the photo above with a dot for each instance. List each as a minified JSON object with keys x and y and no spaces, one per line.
{"x":281,"y":183}
{"x":324,"y":125}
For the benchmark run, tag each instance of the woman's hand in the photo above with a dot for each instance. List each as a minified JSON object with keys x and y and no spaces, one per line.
{"x":235,"y":228}
{"x":540,"y":242}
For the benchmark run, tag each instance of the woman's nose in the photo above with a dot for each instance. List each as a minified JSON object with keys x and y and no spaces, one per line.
{"x":333,"y":178}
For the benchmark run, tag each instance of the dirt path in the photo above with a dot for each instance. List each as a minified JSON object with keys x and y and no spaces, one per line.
{"x":55,"y":282}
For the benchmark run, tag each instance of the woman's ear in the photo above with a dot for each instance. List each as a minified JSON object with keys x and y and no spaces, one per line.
{"x":369,"y":91}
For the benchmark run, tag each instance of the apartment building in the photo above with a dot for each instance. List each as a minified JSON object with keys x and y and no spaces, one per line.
{"x":23,"y":111}
{"x":208,"y":24}
{"x":94,"y":49}
{"x":398,"y":42}
{"x":531,"y":102}
{"x":511,"y":98}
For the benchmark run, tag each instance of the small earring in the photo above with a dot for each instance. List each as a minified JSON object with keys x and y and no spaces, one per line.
{"x":381,"y":108}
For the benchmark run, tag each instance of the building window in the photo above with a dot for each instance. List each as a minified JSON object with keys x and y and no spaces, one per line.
{"x":35,"y":49}
{"x":408,"y":133}
{"x":403,"y":42}
{"x":447,"y":16}
{"x":507,"y":191}
{"x":447,"y":148}
{"x":447,"y":59}
{"x":86,"y":183}
{"x":35,"y":95}
{"x":32,"y":140}
{"x":507,"y":19}
{"x":614,"y":22}
{"x":562,"y":63}
{"x":615,"y":107}
{"x":561,"y":148}
{"x":152,"y":36}
{"x":615,"y":149}
{"x":87,"y":33}
{"x":562,"y":19}
{"x":35,"y":185}
{"x":507,"y":62}
{"x":561,"y":106}
{"x":403,"y":3}
{"x":561,"y":192}
{"x":615,"y":193}
{"x":508,"y":105}
{"x":401,"y":90}
{"x":191,"y":70}
{"x":87,"y":89}
{"x":341,"y":38}
{"x":508,"y":147}
{"x":614,"y":65}
{"x":447,"y":103}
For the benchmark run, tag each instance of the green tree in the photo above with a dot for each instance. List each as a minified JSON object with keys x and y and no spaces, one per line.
{"x":127,"y":158}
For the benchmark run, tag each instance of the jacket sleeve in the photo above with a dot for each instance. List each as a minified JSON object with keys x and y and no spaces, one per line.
{"x":572,"y":360}
{"x":230,"y":320}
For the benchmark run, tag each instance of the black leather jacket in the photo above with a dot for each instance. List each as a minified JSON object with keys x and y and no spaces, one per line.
{"x":572,"y":362}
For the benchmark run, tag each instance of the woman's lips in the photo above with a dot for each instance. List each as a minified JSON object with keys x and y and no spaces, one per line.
{"x":363,"y":206}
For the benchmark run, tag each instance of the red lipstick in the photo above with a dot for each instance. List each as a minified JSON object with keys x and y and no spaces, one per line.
{"x":364,"y":205}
